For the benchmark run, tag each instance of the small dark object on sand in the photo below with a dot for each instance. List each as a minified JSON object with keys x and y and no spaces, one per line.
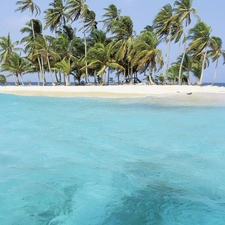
{"x":189,"y":93}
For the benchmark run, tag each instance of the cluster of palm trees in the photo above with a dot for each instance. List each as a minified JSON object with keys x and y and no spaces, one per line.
{"x":115,"y":49}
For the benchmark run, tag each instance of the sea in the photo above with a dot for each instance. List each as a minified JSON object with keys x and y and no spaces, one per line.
{"x":128,"y":161}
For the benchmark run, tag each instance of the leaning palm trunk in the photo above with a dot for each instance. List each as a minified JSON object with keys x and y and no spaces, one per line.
{"x":131,"y":74}
{"x":203,"y":67}
{"x":43,"y":72}
{"x":40,"y":62}
{"x":215,"y":72}
{"x":181,"y":65}
{"x":182,"y":61}
{"x":151,"y":82}
{"x":15,"y":79}
{"x":38,"y":78}
{"x":21,"y":78}
{"x":50,"y":71}
{"x":168,"y":58}
{"x":85,"y":53}
{"x":32,"y":27}
{"x":67,"y":80}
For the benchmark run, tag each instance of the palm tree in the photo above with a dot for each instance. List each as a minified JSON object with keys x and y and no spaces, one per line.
{"x":163,"y":25}
{"x":183,"y":11}
{"x":200,"y":41}
{"x":34,"y":9}
{"x":77,"y":9}
{"x":147,"y":55}
{"x":44,"y":50}
{"x":28,"y":4}
{"x":65,"y":66}
{"x":33,"y":28}
{"x":172,"y":73}
{"x":90,"y":23}
{"x":111,"y":16}
{"x":215,"y":53}
{"x":187,"y":67}
{"x":7,"y":47}
{"x":17,"y":66}
{"x":3,"y":79}
{"x":65,"y":46}
{"x":55,"y":17}
{"x":100,"y":58}
{"x":98,"y":36}
{"x":124,"y":41}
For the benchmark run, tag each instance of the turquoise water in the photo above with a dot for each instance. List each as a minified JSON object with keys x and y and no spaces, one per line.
{"x":110,"y":162}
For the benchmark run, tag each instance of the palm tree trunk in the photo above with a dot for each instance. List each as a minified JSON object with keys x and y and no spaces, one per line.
{"x":21,"y":79}
{"x":118,"y":78}
{"x":182,"y":61}
{"x":14,"y":77}
{"x":50,"y":71}
{"x":108,"y":75}
{"x":38,"y":78}
{"x":85,"y":53}
{"x":95,"y":78}
{"x":168,"y":58}
{"x":17,"y":80}
{"x":131,"y":74}
{"x":151,"y":82}
{"x":43,"y":72}
{"x":215,"y":72}
{"x":67,"y":80}
{"x":203,"y":66}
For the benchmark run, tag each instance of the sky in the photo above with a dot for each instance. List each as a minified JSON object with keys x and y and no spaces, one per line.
{"x":142,"y":12}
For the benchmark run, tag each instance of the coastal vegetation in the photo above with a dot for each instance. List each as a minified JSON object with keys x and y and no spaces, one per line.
{"x":109,"y":49}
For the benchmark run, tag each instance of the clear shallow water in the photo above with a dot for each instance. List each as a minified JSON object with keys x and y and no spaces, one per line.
{"x":98,"y":161}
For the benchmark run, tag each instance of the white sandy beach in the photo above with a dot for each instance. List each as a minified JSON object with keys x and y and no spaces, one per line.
{"x":198,"y":94}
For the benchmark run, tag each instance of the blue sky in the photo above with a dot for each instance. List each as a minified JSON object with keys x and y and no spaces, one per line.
{"x":142,"y":13}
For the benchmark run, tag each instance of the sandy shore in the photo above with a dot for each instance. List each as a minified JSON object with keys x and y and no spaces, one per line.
{"x":209,"y":94}
{"x":102,"y":91}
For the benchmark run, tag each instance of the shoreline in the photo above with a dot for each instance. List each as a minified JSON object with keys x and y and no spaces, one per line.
{"x":174,"y":94}
{"x":142,"y":90}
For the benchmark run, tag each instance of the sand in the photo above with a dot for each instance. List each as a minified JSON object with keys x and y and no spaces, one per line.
{"x":182,"y":94}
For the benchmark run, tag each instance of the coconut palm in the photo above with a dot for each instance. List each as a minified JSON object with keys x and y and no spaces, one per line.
{"x":65,"y":45}
{"x":147,"y":55}
{"x":76,"y":9}
{"x":124,"y":41}
{"x":28,"y":4}
{"x":187,"y":66}
{"x":33,"y":29}
{"x":200,"y":41}
{"x":98,"y":36}
{"x":7,"y":47}
{"x":44,"y":50}
{"x":100,"y":58}
{"x":111,"y":16}
{"x":55,"y":17}
{"x":3,"y":79}
{"x":65,"y":66}
{"x":184,"y":11}
{"x":31,"y":6}
{"x":215,"y":53}
{"x":34,"y":9}
{"x":90,"y":21}
{"x":163,"y":25}
{"x":172,"y":73}
{"x":17,"y":67}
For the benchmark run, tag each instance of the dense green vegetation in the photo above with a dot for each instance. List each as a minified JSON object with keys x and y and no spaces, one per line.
{"x":114,"y":50}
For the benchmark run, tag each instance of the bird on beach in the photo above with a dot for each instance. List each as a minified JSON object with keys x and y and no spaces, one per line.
{"x":189,"y":93}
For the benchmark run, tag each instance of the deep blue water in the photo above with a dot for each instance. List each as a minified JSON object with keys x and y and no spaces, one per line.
{"x":110,"y":162}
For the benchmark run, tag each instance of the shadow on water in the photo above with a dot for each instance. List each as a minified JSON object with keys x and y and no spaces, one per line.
{"x":162,"y":206}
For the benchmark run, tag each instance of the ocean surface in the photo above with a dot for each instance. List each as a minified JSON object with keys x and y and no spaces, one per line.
{"x":86,"y":161}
